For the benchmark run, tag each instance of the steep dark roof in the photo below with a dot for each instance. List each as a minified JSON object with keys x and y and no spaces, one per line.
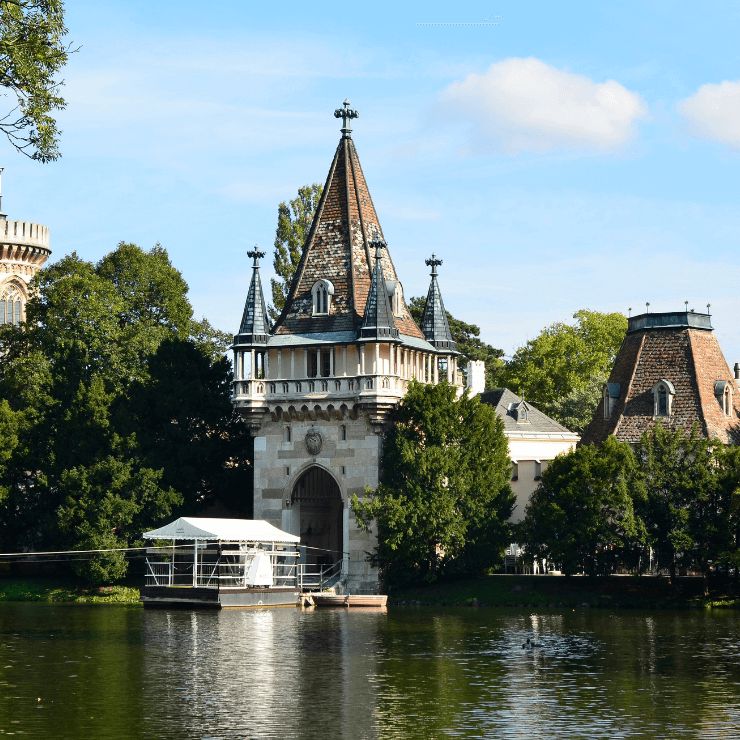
{"x":434,"y":322}
{"x":503,"y":400}
{"x":681,"y":349}
{"x":255,"y":326}
{"x":378,"y":321}
{"x":338,"y":249}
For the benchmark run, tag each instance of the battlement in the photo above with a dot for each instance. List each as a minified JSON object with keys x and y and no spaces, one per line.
{"x":24,"y":233}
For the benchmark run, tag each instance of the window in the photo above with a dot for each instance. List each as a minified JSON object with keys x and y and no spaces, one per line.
{"x":514,"y":471}
{"x":723,"y":394}
{"x":321,"y":294}
{"x":343,"y":433}
{"x":11,"y":305}
{"x":611,"y":396}
{"x":663,"y":392}
{"x":395,"y":293}
{"x":287,"y":434}
{"x":537,"y":470}
{"x":313,"y":363}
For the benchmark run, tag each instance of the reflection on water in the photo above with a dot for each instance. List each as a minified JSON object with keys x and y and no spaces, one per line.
{"x":110,"y":672}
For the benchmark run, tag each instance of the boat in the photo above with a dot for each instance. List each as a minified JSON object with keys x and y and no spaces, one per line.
{"x":221,"y":564}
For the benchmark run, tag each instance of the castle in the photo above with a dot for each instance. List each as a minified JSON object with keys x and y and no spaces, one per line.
{"x":24,"y":248}
{"x":317,"y":389}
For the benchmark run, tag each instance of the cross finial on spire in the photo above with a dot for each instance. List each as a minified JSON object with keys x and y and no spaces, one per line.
{"x":346,"y":114}
{"x":256,"y":255}
{"x":433,"y":262}
{"x":378,"y":245}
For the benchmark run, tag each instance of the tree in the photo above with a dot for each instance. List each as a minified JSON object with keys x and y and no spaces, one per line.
{"x":576,"y":409}
{"x":444,"y":494}
{"x":581,"y":515}
{"x":120,"y":406}
{"x":681,"y":510}
{"x":294,"y":223}
{"x":32,"y":51}
{"x":565,"y":358}
{"x":469,"y":343}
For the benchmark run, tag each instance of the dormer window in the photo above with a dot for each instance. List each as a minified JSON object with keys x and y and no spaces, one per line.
{"x":520,"y":411}
{"x":663,"y":392}
{"x":395,"y":293}
{"x":321,"y":293}
{"x":723,"y":394}
{"x":611,"y":396}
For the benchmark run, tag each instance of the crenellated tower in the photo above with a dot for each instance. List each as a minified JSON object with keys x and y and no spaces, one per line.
{"x":24,"y":248}
{"x":318,"y":389}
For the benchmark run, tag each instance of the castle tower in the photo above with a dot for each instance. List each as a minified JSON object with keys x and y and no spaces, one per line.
{"x":670,"y":368}
{"x":317,"y":391}
{"x":24,"y":247}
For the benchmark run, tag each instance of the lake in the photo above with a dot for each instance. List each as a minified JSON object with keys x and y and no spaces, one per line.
{"x":121,"y":672}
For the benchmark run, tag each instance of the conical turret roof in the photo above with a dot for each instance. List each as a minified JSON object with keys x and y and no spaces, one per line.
{"x":378,"y":321}
{"x":434,"y":322}
{"x":255,"y":326}
{"x":338,"y":250}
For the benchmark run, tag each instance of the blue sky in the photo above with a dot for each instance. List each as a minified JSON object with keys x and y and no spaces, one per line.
{"x":577,"y":155}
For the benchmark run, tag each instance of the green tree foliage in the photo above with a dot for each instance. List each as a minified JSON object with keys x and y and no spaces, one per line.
{"x":581,"y":515}
{"x":469,"y":343}
{"x":564,"y":359}
{"x":120,"y":403}
{"x":576,"y":409}
{"x":294,"y":224}
{"x":444,"y":494}
{"x":682,"y":508}
{"x":32,"y":52}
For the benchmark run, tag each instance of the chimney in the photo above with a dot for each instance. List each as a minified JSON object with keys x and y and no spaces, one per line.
{"x":737,"y":370}
{"x":475,"y":377}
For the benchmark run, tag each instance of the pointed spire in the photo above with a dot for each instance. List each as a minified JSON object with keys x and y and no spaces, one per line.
{"x":378,"y":322}
{"x":255,"y":326}
{"x":434,"y":320}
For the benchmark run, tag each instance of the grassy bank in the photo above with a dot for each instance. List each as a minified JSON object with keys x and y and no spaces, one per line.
{"x":646,"y":592}
{"x":67,"y":590}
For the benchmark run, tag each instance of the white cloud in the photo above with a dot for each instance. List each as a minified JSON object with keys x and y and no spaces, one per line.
{"x":527,"y":105}
{"x":713,"y":113}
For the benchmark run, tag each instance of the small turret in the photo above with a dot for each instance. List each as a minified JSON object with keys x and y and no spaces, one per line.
{"x":255,"y":326}
{"x":434,"y":322}
{"x":378,"y":322}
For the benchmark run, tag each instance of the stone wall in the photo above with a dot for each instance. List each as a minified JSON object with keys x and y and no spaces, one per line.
{"x":353,"y":463}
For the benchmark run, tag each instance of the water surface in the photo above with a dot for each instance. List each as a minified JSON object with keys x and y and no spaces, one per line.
{"x":122,"y":672}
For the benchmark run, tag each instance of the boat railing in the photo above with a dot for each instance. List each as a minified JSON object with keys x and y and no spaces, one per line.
{"x":228,"y":570}
{"x":317,"y":577}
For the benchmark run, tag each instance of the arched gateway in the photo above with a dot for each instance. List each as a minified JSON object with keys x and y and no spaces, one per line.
{"x":316,"y":502}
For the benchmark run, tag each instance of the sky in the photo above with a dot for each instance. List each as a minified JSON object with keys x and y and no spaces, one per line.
{"x":555,"y":156}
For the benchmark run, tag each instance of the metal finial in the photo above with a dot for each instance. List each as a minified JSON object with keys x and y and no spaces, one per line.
{"x":256,"y":255}
{"x":433,"y":262}
{"x":629,"y":311}
{"x":378,"y":245}
{"x":647,"y":303}
{"x":708,"y":307}
{"x":686,"y":303}
{"x":346,"y":114}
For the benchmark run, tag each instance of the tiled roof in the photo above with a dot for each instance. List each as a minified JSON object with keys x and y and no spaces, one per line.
{"x":337,"y":249}
{"x":691,"y":360}
{"x":503,"y":400}
{"x":255,"y":326}
{"x":434,"y":324}
{"x":378,"y":321}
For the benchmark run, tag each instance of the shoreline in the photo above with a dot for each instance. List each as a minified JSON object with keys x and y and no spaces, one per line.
{"x":58,"y":590}
{"x":544,"y":591}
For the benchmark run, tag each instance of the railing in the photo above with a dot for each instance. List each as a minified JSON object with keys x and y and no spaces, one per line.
{"x":226,"y":571}
{"x":317,"y":577}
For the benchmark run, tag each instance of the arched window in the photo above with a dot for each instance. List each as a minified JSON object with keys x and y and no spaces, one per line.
{"x":11,"y":305}
{"x":321,"y":294}
{"x":723,"y":394}
{"x":395,"y":293}
{"x":663,"y":392}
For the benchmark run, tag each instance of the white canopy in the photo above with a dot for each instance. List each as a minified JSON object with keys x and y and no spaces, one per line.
{"x":225,"y":530}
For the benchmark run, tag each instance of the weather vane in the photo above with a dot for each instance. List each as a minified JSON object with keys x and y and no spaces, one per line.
{"x":433,"y":263}
{"x":346,"y":114}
